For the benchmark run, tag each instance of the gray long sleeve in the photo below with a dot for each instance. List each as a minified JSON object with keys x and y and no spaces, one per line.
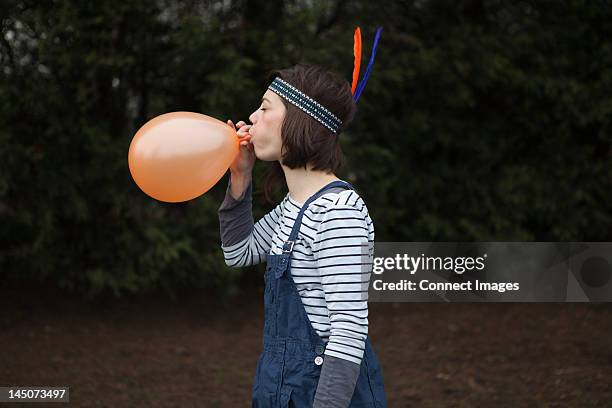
{"x":236,"y":216}
{"x":336,"y":383}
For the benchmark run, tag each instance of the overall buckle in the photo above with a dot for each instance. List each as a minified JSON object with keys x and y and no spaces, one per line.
{"x":290,"y":247}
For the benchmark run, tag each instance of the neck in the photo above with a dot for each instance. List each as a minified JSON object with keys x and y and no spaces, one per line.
{"x":303,"y":183}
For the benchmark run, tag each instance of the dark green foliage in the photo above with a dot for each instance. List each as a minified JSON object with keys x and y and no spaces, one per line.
{"x":482,"y":120}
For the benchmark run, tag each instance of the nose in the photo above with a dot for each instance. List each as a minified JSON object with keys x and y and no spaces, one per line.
{"x":253,"y":117}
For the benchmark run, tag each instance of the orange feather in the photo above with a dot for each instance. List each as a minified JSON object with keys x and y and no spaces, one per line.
{"x":357,"y":54}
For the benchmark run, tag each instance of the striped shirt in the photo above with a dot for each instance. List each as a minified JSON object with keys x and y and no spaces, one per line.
{"x":331,"y":263}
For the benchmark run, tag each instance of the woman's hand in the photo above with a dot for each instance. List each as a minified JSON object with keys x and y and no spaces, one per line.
{"x":244,"y":162}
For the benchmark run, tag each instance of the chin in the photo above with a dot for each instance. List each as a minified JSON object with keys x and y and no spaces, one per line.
{"x":261,"y":156}
{"x":266,"y":155}
{"x":265,"y":158}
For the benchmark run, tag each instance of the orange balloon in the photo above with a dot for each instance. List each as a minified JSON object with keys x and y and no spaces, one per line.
{"x":179,"y":156}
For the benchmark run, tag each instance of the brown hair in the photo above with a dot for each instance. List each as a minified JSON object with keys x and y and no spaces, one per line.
{"x":304,"y":139}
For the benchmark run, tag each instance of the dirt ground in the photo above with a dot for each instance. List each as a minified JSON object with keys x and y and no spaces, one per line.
{"x":153,"y":352}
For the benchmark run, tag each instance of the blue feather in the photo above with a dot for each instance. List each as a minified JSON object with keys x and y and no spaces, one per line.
{"x":362,"y":84}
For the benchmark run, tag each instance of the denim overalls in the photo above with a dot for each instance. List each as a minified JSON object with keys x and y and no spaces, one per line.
{"x":290,"y":364}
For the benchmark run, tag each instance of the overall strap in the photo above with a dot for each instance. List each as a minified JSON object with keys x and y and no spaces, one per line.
{"x":288,"y":245}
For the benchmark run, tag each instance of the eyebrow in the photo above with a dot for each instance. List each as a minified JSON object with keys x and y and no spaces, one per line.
{"x":265,"y":99}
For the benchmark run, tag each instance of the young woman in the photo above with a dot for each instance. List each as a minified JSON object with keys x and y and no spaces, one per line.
{"x":318,"y":244}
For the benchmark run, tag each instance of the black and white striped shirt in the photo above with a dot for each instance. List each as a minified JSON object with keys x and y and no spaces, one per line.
{"x":331,"y":263}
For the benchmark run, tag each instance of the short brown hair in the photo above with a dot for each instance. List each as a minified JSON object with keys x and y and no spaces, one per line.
{"x":304,"y":139}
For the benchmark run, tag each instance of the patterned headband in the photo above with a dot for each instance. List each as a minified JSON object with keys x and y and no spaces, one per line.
{"x":306,"y":103}
{"x":315,"y":109}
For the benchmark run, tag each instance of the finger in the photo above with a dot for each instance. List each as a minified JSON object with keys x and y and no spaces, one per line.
{"x":241,"y":123}
{"x":229,"y":122}
{"x":245,"y":128}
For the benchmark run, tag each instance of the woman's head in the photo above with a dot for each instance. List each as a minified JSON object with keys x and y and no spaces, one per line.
{"x":283,"y":132}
